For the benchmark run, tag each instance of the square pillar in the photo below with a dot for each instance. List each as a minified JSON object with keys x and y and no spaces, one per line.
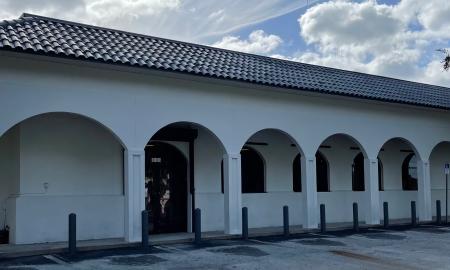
{"x":372,"y":193}
{"x":309,"y":182}
{"x":232,"y":193}
{"x":134,"y":193}
{"x":424,"y":190}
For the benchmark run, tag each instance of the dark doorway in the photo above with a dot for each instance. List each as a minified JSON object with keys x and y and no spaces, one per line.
{"x":166,"y":188}
{"x":297,"y":174}
{"x":323,"y":183}
{"x":358,"y":173}
{"x":409,"y":172}
{"x":252,"y":170}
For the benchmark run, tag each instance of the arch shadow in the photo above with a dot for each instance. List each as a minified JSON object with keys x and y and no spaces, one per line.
{"x":280,"y":131}
{"x":353,"y":139}
{"x":83,"y":116}
{"x":190,"y":125}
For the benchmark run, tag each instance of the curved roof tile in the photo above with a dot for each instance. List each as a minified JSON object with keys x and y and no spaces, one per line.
{"x":53,"y":37}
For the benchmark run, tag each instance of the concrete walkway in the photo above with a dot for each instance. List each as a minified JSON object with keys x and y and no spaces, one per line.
{"x":14,"y":251}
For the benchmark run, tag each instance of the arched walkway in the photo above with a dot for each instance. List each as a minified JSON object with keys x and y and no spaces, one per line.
{"x":339,"y":181}
{"x":400,"y":177}
{"x":203,"y":153}
{"x":59,"y":163}
{"x":440,"y":156}
{"x":271,"y":156}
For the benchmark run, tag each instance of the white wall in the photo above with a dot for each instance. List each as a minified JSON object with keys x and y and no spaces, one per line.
{"x":67,"y":164}
{"x":339,"y":205}
{"x":134,"y":105}
{"x":45,"y":218}
{"x":266,"y":209}
{"x":209,"y":198}
{"x":73,"y":155}
{"x":9,"y":174}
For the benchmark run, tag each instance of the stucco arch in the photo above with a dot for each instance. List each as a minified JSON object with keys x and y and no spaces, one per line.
{"x":352,"y":138}
{"x":191,"y":124}
{"x":62,"y":153}
{"x":404,"y":140}
{"x":280,"y":131}
{"x":436,"y":146}
{"x":17,"y":121}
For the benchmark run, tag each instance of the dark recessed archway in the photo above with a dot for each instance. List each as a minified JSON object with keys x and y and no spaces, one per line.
{"x":322,"y":173}
{"x":409,"y":172}
{"x":380,"y":175}
{"x":203,"y":153}
{"x":166,"y":188}
{"x":358,"y":173}
{"x":405,"y":156}
{"x":297,"y":174}
{"x":252,"y":171}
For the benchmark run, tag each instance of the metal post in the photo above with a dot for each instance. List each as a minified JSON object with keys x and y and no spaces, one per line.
{"x":72,"y":234}
{"x":192,"y":179}
{"x":144,"y":216}
{"x":286,"y":220}
{"x":413,"y":214}
{"x":446,"y":198}
{"x":198,"y":226}
{"x":386,"y":215}
{"x":323,"y":225}
{"x":438,"y":212}
{"x":355,"y":217}
{"x":244,"y":223}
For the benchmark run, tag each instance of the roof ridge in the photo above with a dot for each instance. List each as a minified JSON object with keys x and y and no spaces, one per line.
{"x":285,"y":61}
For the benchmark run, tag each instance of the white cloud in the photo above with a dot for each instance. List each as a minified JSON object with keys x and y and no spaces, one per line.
{"x":109,"y":11}
{"x":434,"y":74}
{"x":258,"y":42}
{"x":190,"y":20}
{"x":345,"y":23}
{"x":390,"y":40}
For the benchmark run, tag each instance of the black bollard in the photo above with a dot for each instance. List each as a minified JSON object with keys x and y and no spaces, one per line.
{"x":244,"y":223}
{"x":198,"y":226}
{"x":386,"y":215}
{"x":144,"y":216}
{"x":323,"y":222}
{"x":438,"y":212}
{"x":72,"y":234}
{"x":355,"y":217}
{"x":286,"y":220}
{"x":413,"y":214}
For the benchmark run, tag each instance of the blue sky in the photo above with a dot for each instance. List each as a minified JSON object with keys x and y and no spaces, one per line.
{"x":288,"y":29}
{"x":394,"y":38}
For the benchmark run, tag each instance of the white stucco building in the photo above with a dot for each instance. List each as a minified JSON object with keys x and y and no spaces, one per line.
{"x":105,"y":124}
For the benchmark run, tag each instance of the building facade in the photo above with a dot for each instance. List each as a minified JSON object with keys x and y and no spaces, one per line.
{"x":106,"y":140}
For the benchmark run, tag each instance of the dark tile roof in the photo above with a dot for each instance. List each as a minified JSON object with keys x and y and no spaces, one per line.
{"x":52,"y":37}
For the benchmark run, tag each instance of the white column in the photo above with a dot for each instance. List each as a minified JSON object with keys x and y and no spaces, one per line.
{"x":309,"y":184}
{"x":232,"y":193}
{"x":372,"y":192}
{"x":423,"y":190}
{"x":134,"y":193}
